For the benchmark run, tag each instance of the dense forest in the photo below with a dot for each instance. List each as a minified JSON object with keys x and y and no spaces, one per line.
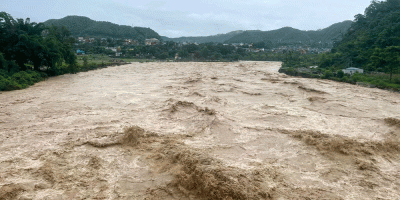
{"x":373,"y":41}
{"x":86,"y":27}
{"x":372,"y":44}
{"x":30,"y":51}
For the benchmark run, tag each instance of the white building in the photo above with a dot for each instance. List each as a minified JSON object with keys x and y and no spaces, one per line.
{"x":353,"y":70}
{"x":114,"y":49}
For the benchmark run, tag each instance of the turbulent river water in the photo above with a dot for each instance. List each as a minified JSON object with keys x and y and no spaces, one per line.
{"x":164,"y":130}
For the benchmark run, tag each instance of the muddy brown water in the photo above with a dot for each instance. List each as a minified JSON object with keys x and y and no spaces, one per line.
{"x":240,"y":114}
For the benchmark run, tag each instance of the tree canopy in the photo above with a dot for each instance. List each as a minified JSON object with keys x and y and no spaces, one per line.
{"x":26,"y":45}
{"x":372,"y":40}
{"x":86,"y":27}
{"x":372,"y":43}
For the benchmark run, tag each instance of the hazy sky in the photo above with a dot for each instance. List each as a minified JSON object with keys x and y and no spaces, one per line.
{"x":175,"y":18}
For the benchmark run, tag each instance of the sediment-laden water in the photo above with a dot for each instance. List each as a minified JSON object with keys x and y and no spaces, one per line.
{"x":198,"y":131}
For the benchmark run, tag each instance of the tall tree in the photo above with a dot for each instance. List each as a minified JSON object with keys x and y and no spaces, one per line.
{"x":373,"y":36}
{"x":388,"y":59}
{"x":27,"y":42}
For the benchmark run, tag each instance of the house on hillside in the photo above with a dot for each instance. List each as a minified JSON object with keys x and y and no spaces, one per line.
{"x":152,"y":41}
{"x":353,"y":70}
{"x":127,"y":41}
{"x":114,"y":49}
{"x":303,"y":51}
{"x":177,"y":56}
{"x":90,"y":40}
{"x":130,"y":42}
{"x":80,"y":52}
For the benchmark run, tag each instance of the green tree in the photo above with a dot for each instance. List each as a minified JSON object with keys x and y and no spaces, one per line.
{"x":27,"y":42}
{"x":379,"y":27}
{"x":163,"y":56}
{"x":388,"y":59}
{"x":216,"y":56}
{"x":183,"y":53}
{"x":204,"y":52}
{"x":3,"y":63}
{"x":85,"y":61}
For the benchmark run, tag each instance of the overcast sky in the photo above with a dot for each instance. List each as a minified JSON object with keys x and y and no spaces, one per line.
{"x":175,"y":18}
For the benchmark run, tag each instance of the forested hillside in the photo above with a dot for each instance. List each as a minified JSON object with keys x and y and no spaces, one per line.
{"x":220,"y":38}
{"x":288,"y":35}
{"x":85,"y":27}
{"x":373,"y":41}
{"x":29,"y":51}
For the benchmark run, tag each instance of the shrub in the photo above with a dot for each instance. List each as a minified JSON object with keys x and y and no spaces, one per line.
{"x":328,"y":74}
{"x":19,"y":80}
{"x":3,"y":73}
{"x":22,"y":78}
{"x":397,"y":81}
{"x":340,"y":74}
{"x":3,"y":83}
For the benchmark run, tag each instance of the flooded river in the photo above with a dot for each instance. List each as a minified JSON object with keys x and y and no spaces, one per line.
{"x":198,"y":131}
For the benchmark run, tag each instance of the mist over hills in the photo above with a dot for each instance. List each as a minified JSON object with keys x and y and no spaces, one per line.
{"x":86,"y":27}
{"x":282,"y":35}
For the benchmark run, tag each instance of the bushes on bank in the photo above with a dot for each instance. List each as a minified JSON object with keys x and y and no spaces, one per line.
{"x":19,"y":80}
{"x":371,"y":80}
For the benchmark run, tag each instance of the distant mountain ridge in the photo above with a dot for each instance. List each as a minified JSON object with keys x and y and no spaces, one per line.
{"x":282,"y":35}
{"x":86,"y":27}
{"x":219,"y":38}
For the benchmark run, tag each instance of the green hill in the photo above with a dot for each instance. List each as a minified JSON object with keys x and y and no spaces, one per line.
{"x":284,"y":35}
{"x":220,"y":38}
{"x":86,"y":27}
{"x":292,"y":35}
{"x":373,"y":41}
